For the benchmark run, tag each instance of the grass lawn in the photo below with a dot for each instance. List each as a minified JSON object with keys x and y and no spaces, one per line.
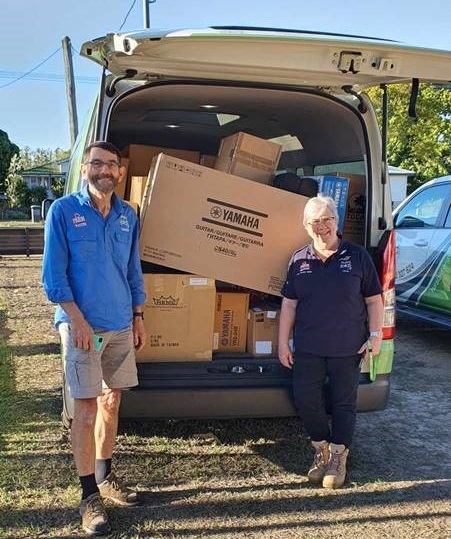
{"x":206,"y":479}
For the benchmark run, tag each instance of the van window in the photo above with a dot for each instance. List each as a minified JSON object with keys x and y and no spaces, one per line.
{"x":423,"y":211}
{"x":356,"y":167}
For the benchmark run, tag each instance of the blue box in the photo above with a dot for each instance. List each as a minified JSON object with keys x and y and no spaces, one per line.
{"x":336,"y":188}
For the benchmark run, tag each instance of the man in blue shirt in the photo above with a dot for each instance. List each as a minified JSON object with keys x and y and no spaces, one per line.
{"x":92,"y":270}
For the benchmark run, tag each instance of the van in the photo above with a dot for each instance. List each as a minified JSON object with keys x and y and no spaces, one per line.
{"x":187,"y":91}
{"x":423,"y":253}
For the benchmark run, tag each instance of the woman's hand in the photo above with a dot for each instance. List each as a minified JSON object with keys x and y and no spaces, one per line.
{"x":286,"y":356}
{"x":375,"y":346}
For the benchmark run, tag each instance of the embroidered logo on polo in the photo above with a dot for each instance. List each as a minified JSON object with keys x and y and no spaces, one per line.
{"x":79,"y":220}
{"x":123,"y":223}
{"x":304,"y":267}
{"x":345,"y":264}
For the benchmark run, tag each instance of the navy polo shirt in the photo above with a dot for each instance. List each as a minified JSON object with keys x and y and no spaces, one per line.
{"x":331,"y":315}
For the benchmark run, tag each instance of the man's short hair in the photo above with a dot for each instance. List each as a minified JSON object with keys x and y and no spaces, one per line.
{"x":103,"y":145}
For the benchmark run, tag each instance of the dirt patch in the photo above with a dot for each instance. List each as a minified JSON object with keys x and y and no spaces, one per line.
{"x":222,"y":479}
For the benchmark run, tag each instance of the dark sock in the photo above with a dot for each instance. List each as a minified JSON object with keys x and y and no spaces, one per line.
{"x":103,"y":469}
{"x":88,"y":485}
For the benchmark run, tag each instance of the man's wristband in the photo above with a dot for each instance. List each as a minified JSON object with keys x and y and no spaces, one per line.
{"x":138,"y":315}
{"x":376,"y":334}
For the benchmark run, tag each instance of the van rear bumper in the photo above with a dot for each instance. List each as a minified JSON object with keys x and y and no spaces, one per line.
{"x":232,"y":402}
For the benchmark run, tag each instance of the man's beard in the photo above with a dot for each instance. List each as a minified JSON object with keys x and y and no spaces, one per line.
{"x":98,"y":181}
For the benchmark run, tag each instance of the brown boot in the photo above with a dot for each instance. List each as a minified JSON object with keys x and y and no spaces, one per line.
{"x":320,"y":460}
{"x":336,"y":469}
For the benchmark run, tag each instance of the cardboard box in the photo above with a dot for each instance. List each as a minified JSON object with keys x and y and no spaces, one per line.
{"x":122,"y":185}
{"x":263,"y":331}
{"x":179,"y":317}
{"x":249,"y":157}
{"x":134,"y":206}
{"x":230,"y":322}
{"x":207,"y":160}
{"x":337,"y":188}
{"x":354,"y":223}
{"x":140,"y":157}
{"x":137,"y":188}
{"x":203,"y":221}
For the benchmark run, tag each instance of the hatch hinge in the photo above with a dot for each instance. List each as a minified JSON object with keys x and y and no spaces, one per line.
{"x":111,"y":89}
{"x":361,"y":106}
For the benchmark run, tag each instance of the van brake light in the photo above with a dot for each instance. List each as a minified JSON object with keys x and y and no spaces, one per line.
{"x":388,"y":286}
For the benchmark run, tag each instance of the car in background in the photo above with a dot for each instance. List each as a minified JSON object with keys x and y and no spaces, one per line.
{"x":423,"y":253}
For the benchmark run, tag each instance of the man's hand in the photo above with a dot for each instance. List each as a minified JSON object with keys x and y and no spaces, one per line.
{"x":82,"y":334}
{"x":139,"y":333}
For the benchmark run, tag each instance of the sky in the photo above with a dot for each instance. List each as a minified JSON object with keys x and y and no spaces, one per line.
{"x":34,"y":109}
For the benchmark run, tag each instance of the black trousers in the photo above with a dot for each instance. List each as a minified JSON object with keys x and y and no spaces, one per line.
{"x":310,"y":373}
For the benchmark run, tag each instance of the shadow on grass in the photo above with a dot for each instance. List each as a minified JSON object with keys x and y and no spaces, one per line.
{"x":26,"y":350}
{"x":164,"y":512}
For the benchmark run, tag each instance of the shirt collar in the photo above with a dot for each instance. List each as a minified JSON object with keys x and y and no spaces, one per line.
{"x":86,"y":199}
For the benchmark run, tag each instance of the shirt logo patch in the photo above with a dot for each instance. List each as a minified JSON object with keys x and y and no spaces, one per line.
{"x":304,"y":267}
{"x":79,"y":220}
{"x":123,"y":222}
{"x":345,"y":264}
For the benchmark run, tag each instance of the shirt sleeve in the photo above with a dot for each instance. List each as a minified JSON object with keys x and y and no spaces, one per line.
{"x":56,"y":256}
{"x":371,"y":285}
{"x":134,"y":272}
{"x":288,"y":291}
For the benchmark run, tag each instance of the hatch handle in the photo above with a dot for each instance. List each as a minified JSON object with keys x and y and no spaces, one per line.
{"x":111,"y":90}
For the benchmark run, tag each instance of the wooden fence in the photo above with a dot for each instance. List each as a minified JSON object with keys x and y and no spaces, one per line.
{"x":21,"y":241}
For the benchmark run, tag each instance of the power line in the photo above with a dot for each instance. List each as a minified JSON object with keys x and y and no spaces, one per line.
{"x":46,"y":77}
{"x":126,"y":16}
{"x":31,"y":70}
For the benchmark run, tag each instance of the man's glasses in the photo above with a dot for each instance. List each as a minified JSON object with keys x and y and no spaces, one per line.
{"x":98,"y":164}
{"x":322,"y":221}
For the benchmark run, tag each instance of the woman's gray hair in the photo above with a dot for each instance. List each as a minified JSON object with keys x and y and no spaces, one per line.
{"x":315,"y":207}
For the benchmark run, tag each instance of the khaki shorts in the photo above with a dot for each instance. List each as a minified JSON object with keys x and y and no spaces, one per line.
{"x":88,"y":372}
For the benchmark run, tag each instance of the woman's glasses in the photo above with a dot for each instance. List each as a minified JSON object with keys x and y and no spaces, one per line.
{"x":322,"y":221}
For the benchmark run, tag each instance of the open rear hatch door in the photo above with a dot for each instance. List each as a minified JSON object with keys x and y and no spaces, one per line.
{"x":272,"y":56}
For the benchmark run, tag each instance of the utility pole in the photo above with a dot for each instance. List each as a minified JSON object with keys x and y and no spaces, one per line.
{"x":70,"y":90}
{"x":146,"y":12}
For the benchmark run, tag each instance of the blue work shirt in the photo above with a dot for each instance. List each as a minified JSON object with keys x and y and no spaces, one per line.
{"x":331,"y":315}
{"x":93,"y":261}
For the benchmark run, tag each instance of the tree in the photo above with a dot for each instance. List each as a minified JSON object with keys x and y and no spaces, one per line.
{"x":17,"y":191}
{"x":38,"y":195}
{"x":58,"y":187}
{"x":7,"y":151}
{"x":422,"y":144}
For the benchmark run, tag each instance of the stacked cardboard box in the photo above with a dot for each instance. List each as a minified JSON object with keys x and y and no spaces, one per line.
{"x":230,"y":322}
{"x":179,"y":317}
{"x":354,"y":222}
{"x":139,"y":159}
{"x":263,"y":330}
{"x":207,"y":222}
{"x":336,"y":188}
{"x":249,"y":157}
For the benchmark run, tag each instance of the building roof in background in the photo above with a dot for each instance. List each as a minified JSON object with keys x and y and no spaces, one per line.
{"x":49,"y":169}
{"x":393,"y":171}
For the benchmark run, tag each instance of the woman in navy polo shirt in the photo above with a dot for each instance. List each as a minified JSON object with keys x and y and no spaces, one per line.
{"x":332,"y":298}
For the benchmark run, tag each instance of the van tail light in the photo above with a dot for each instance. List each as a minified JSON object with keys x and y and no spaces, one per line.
{"x":388,"y":274}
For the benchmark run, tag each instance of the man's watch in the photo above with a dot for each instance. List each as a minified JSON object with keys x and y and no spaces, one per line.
{"x":138,"y":315}
{"x":376,"y":334}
